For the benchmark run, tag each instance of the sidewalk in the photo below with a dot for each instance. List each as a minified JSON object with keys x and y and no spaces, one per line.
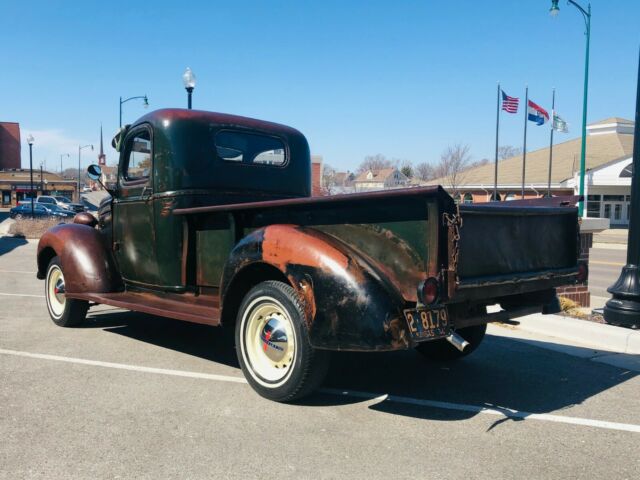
{"x":611,"y":236}
{"x":598,"y":342}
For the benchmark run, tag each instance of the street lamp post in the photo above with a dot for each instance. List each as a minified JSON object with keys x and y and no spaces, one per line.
{"x":189,"y":79}
{"x":30,"y":140}
{"x":63,"y":155}
{"x":145,"y":104}
{"x":624,"y":306}
{"x":586,"y":15}
{"x":79,"y":156}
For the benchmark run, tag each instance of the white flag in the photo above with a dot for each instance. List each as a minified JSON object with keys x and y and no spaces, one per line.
{"x":559,"y":124}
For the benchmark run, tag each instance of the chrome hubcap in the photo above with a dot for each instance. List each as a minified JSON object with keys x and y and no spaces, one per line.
{"x":268,"y":344}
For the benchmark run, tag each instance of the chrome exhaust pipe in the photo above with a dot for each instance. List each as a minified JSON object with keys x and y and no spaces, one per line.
{"x":457,"y":341}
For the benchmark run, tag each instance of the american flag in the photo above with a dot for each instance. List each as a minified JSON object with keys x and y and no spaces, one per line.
{"x":509,"y":104}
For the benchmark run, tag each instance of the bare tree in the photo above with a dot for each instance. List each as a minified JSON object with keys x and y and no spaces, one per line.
{"x":480,"y":163}
{"x":328,"y":179}
{"x":70,"y":174}
{"x":453,"y":162}
{"x":424,"y":171}
{"x":375,"y":162}
{"x":508,"y":151}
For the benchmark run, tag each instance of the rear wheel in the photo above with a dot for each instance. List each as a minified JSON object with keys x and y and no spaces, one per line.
{"x":65,"y":312}
{"x":442,"y":350}
{"x":273,"y":346}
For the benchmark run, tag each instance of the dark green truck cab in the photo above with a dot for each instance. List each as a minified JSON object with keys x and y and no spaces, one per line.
{"x":211,"y":221}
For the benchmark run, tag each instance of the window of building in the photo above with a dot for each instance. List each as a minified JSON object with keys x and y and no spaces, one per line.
{"x":593,"y":206}
{"x":627,"y":171}
{"x":468,"y":198}
{"x":250,"y":148}
{"x":509,"y":197}
{"x":613,"y":198}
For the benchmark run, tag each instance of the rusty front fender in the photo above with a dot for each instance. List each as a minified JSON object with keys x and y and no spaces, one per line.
{"x":86,"y":259}
{"x":350,"y":305}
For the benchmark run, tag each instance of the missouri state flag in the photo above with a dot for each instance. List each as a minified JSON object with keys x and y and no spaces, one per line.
{"x":537,"y":114}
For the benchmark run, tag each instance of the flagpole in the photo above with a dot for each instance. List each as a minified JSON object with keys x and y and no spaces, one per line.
{"x":553,"y":121}
{"x":495,"y":174}
{"x":524,"y":148}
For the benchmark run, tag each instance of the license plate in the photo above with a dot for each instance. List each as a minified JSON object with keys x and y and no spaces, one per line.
{"x":428,"y":323}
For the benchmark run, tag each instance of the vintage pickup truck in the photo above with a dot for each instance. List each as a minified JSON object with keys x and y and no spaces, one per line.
{"x":212,"y":221}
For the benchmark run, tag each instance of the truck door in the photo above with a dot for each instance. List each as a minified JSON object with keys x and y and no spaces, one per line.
{"x":133,"y":215}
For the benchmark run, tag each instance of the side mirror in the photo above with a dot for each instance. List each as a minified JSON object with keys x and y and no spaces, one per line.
{"x":94,"y":172}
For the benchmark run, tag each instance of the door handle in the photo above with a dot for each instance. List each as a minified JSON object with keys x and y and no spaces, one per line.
{"x":146,"y":193}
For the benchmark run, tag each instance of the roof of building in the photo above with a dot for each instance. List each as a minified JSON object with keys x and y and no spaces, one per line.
{"x":609,"y":120}
{"x":601,"y":149}
{"x":378,"y":175}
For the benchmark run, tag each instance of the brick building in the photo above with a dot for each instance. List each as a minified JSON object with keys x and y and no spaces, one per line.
{"x":9,"y":145}
{"x":15,"y":185}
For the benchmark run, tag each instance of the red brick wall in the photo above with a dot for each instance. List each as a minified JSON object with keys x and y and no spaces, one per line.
{"x":580,"y":293}
{"x":9,"y":145}
{"x":316,"y":179}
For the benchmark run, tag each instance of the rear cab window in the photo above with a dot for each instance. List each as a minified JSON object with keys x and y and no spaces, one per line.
{"x":250,"y":148}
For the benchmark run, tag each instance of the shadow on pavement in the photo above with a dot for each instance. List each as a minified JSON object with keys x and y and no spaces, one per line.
{"x":10,"y":243}
{"x":502,"y":373}
{"x":210,"y":343}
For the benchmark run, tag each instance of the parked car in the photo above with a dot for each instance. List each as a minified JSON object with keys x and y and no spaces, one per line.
{"x":24,"y":210}
{"x":60,"y":201}
{"x":223,"y":231}
{"x":52,"y":200}
{"x":57,"y":211}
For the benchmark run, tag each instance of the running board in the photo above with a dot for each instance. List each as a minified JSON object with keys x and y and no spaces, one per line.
{"x":188,"y":307}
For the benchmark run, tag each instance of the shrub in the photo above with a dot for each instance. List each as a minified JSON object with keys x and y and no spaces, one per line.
{"x":34,"y":228}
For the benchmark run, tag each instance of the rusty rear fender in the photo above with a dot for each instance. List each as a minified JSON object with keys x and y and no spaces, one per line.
{"x":86,"y":260}
{"x":350,"y":304}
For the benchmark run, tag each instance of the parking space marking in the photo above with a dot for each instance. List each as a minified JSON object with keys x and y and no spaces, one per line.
{"x":485,"y":410}
{"x":17,"y":271}
{"x":489,"y":410}
{"x":20,"y":295}
{"x":602,"y":262}
{"x":124,"y":366}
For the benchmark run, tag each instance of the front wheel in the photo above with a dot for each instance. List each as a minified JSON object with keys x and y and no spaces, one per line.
{"x":65,"y":312}
{"x":442,"y":350}
{"x":272,"y":343}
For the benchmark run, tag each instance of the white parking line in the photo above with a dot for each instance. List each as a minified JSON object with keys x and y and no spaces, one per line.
{"x":20,"y":295}
{"x":486,"y":410}
{"x":18,"y":271}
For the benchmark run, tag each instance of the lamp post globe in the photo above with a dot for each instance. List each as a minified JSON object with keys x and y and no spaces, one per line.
{"x":30,"y":141}
{"x":189,"y":80}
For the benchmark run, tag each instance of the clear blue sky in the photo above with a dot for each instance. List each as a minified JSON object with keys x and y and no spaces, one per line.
{"x":404,"y":79}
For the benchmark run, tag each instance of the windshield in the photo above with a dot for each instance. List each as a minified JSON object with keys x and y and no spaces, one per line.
{"x":62,"y":199}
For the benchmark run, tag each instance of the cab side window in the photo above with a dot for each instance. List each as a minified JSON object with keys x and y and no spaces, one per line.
{"x":137,"y":165}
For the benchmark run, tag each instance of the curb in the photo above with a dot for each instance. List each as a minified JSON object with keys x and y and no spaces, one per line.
{"x":598,"y":335}
{"x":609,"y":246}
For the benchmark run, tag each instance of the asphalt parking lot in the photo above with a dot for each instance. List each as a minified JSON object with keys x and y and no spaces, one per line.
{"x":134,"y":396}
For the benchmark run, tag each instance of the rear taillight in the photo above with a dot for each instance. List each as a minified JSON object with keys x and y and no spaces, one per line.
{"x":583,"y":273}
{"x":428,"y":291}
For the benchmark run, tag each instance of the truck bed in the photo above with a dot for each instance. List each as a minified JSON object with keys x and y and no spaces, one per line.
{"x":504,"y":248}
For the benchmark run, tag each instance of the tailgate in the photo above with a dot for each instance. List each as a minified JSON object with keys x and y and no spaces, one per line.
{"x":511,"y":244}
